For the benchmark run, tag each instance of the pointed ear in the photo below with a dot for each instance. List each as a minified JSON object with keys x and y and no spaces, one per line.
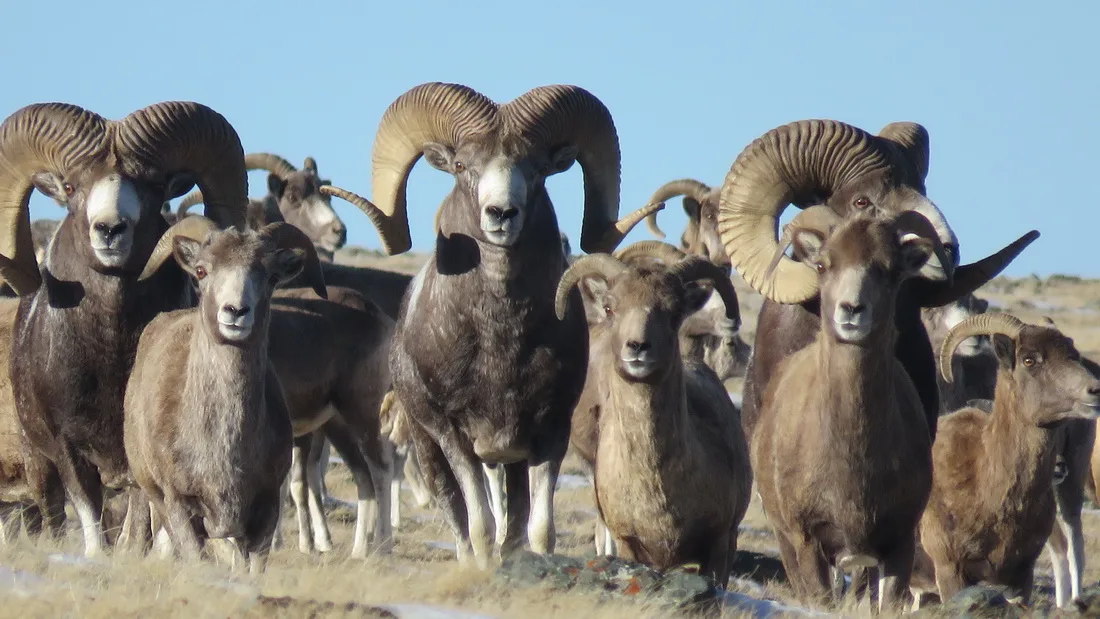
{"x":913,"y":254}
{"x":692,"y":207}
{"x":288,"y":264}
{"x":696,"y":295}
{"x":1005,"y":350}
{"x":276,"y":185}
{"x":51,"y":186}
{"x":186,"y":252}
{"x":562,"y":159}
{"x":594,"y":295}
{"x":808,"y":244}
{"x":440,"y":157}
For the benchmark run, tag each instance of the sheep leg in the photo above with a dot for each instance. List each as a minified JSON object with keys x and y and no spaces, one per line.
{"x":260,"y":531}
{"x":180,"y":527}
{"x":298,"y":474}
{"x":48,"y":491}
{"x":137,"y":532}
{"x":315,"y":484}
{"x":353,"y":456}
{"x":495,"y":479}
{"x":1076,"y":558}
{"x":717,"y":564}
{"x":543,"y":479}
{"x":1058,"y":547}
{"x":949,"y":580}
{"x":517,"y":510}
{"x":85,"y":491}
{"x":452,"y":464}
{"x":806,"y":568}
{"x":397,"y":459}
{"x":320,"y":460}
{"x":421,"y":492}
{"x":380,"y":465}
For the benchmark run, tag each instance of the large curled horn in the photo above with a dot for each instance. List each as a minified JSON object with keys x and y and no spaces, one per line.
{"x":44,"y":137}
{"x":433,"y":112}
{"x":695,"y":268}
{"x":819,"y":218}
{"x":287,"y":236}
{"x":195,"y":227}
{"x":556,"y":115}
{"x":683,"y":187}
{"x":272,"y":163}
{"x":912,"y":144}
{"x":606,"y":265}
{"x":796,"y":163}
{"x":912,"y":222}
{"x":183,"y":137}
{"x":655,"y":250}
{"x":188,"y":201}
{"x":970,"y":277}
{"x":982,"y":324}
{"x":376,"y":216}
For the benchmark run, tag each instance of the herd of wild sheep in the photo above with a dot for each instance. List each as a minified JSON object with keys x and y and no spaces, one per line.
{"x":174,"y":375}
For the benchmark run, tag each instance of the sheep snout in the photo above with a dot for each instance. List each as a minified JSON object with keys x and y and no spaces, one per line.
{"x":113,"y":207}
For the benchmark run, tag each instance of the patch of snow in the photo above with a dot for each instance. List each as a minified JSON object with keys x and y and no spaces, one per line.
{"x":571,"y":481}
{"x":442,"y":545}
{"x":67,"y":559}
{"x":756,"y":607}
{"x":21,"y":583}
{"x":423,"y":611}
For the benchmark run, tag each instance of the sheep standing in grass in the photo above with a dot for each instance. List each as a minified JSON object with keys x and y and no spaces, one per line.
{"x":207,"y":431}
{"x":992,"y":506}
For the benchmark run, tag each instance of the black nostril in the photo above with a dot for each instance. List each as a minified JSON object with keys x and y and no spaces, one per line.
{"x":1094,"y":390}
{"x":509,"y":213}
{"x":637,"y":347}
{"x":502,"y":213}
{"x":237,"y":312}
{"x":852,"y":309}
{"x":109,"y":231}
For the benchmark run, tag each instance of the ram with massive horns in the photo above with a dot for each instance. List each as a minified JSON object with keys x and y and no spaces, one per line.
{"x":480,"y":362}
{"x":852,"y":172}
{"x":83,"y":308}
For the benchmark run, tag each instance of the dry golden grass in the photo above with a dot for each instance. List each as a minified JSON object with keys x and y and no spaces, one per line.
{"x":419,"y":571}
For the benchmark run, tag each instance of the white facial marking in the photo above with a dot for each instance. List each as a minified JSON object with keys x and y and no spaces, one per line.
{"x":320,"y":214}
{"x":503,"y":186}
{"x":849,"y":287}
{"x":946,"y":234}
{"x":954,"y":315}
{"x":236,"y":288}
{"x":112,"y":201}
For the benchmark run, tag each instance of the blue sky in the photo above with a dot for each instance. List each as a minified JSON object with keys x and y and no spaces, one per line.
{"x":1008,"y":90}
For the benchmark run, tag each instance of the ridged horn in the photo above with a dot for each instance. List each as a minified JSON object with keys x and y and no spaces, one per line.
{"x":375,"y":214}
{"x":195,"y":227}
{"x":970,"y":277}
{"x":982,"y":324}
{"x":683,"y":187}
{"x":433,"y":112}
{"x":272,"y":163}
{"x":655,"y":250}
{"x":606,"y":265}
{"x":912,"y":144}
{"x":795,"y":163}
{"x":44,"y":137}
{"x":184,"y":137}
{"x":287,"y":236}
{"x":555,"y":115}
{"x":696,"y":268}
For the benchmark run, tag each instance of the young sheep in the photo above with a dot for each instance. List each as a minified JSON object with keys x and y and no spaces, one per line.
{"x":207,"y":430}
{"x":992,"y":506}
{"x":842,"y":451}
{"x":673,"y":479}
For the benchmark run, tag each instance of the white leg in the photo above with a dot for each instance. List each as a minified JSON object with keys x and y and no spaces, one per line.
{"x":397,"y":472}
{"x":540,"y":528}
{"x":320,"y":463}
{"x":284,"y":490}
{"x":89,"y":524}
{"x":494,"y":480}
{"x":315,"y":482}
{"x":420,"y":490}
{"x":298,"y":493}
{"x":1059,"y":565}
{"x":381,"y":475}
{"x":1076,"y":535}
{"x":162,"y":544}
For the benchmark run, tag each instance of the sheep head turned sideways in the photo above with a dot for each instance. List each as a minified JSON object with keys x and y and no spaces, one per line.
{"x":645,"y":305}
{"x":860,"y":263}
{"x":852,"y":172}
{"x":500,"y":157}
{"x":113,"y":177}
{"x":1039,"y":365}
{"x":700,"y":237}
{"x":237,"y":271}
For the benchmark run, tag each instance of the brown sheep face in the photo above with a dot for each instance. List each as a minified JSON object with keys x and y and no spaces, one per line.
{"x":1044,"y":369}
{"x":860,"y":267}
{"x":303,"y":205}
{"x":701,"y":237}
{"x":119,"y":216}
{"x":940,"y":320}
{"x":236,"y":275}
{"x":496,"y":185}
{"x":643,"y":311}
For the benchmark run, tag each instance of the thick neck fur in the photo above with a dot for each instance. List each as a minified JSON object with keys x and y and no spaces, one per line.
{"x":646,"y":419}
{"x":1017,"y":455}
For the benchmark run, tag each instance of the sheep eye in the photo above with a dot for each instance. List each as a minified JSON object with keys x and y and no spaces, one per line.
{"x":607,"y":310}
{"x":819,"y":267}
{"x":68,"y":189}
{"x":200,"y":272}
{"x":460,"y":167}
{"x":861,"y":202}
{"x":1029,"y":361}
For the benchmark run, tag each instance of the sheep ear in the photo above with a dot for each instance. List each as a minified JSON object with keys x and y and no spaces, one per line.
{"x":276,"y":185}
{"x":51,"y":186}
{"x":913,"y":254}
{"x":594,"y":292}
{"x":692,"y":207}
{"x":186,"y":252}
{"x":696,"y":296}
{"x":808,"y":244}
{"x":562,"y":159}
{"x":288,"y":264}
{"x":1005,"y":350}
{"x":440,"y":157}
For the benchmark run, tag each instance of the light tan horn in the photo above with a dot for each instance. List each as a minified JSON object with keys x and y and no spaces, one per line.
{"x":287,"y":236}
{"x":819,"y":218}
{"x":195,"y":227}
{"x":188,"y":201}
{"x":376,"y":216}
{"x":982,"y":324}
{"x":695,"y":268}
{"x":174,"y":137}
{"x":555,"y":115}
{"x":272,"y":163}
{"x":797,"y":163}
{"x":683,"y":187}
{"x":44,"y":137}
{"x":433,"y":112}
{"x":653,"y":250}
{"x":912,"y":145}
{"x":606,"y":265}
